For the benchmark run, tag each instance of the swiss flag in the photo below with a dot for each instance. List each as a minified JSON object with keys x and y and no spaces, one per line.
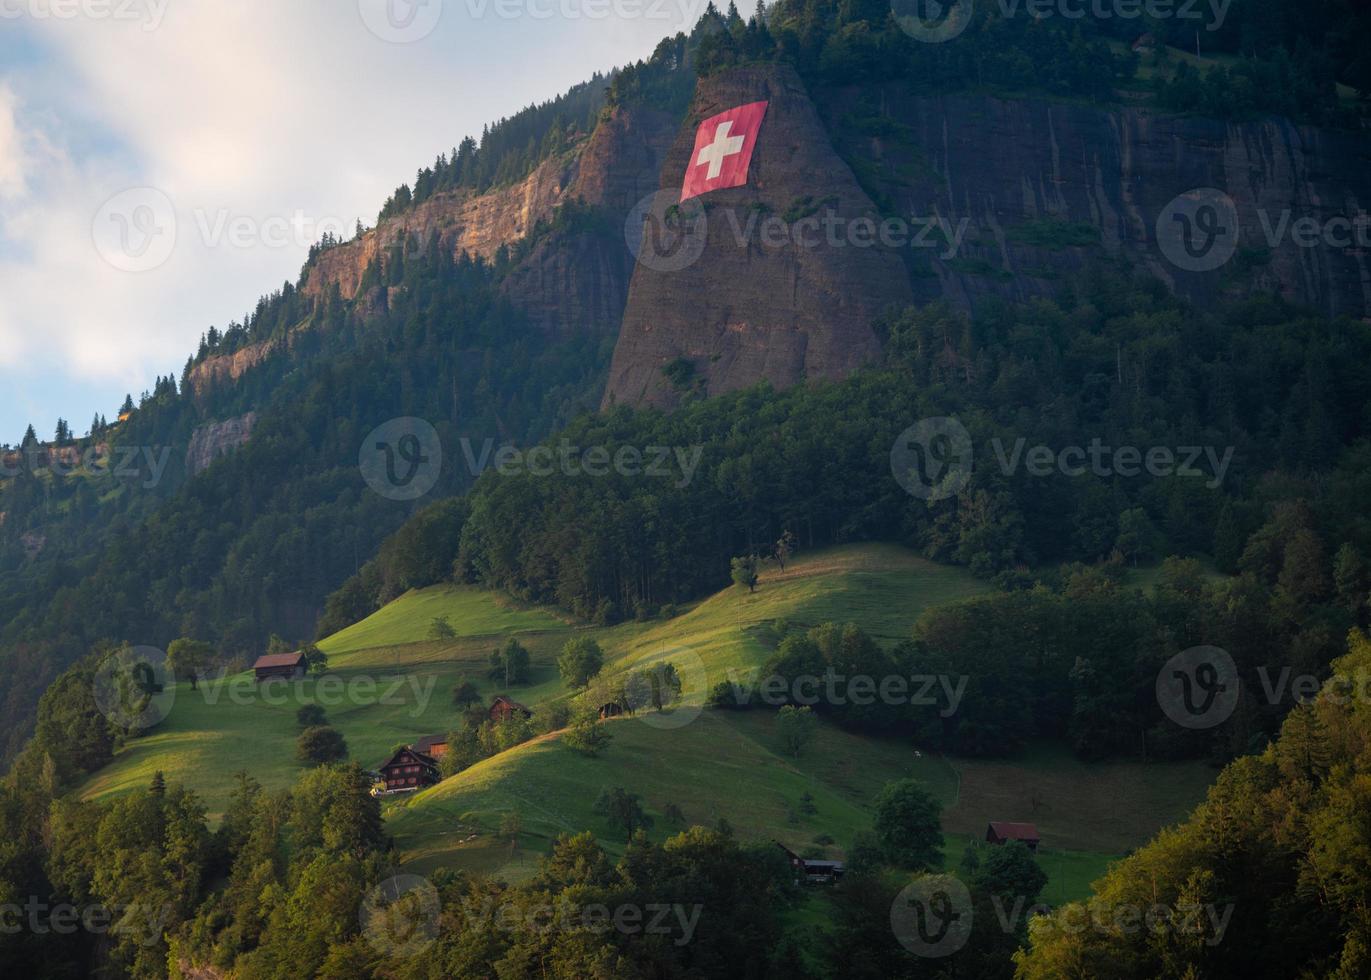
{"x":723,"y":150}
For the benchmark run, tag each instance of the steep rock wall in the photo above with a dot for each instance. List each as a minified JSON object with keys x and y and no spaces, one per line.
{"x":575,"y":281}
{"x":214,"y":439}
{"x":228,"y":367}
{"x":748,"y":308}
{"x":569,"y":282}
{"x":1010,"y":169}
{"x":464,"y":222}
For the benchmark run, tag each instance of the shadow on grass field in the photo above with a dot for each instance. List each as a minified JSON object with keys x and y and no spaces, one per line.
{"x":1103,"y":807}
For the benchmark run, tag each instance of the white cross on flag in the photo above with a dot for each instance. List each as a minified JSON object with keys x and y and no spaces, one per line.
{"x":723,"y":150}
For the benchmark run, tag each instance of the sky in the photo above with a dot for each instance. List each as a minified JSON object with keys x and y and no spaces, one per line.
{"x":163,"y":163}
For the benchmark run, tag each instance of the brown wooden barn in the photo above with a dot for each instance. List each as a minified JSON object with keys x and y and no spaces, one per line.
{"x":433,"y":746}
{"x":285,"y":665}
{"x":812,"y":871}
{"x":410,"y":770}
{"x":503,"y":709}
{"x":1002,"y":832}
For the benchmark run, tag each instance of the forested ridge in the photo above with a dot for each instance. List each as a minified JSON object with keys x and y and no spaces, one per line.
{"x":1118,"y":361}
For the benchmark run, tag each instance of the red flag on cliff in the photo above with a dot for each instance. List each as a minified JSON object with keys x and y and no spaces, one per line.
{"x":723,"y":150}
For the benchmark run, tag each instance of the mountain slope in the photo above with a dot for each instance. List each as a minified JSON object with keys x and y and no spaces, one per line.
{"x":711,"y":764}
{"x":210,"y":734}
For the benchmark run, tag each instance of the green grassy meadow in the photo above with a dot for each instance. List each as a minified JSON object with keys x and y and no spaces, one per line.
{"x":470,"y":612}
{"x":389,"y":683}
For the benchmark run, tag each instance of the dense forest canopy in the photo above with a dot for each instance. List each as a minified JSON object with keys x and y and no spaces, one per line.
{"x":1274,"y":395}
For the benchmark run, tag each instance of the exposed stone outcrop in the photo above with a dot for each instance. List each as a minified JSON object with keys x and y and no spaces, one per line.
{"x":1000,"y":165}
{"x":463,"y":222}
{"x":572,"y":285}
{"x":49,"y":456}
{"x":622,"y":162}
{"x":229,"y":367}
{"x":1029,"y":192}
{"x":33,"y":543}
{"x":570,"y":282}
{"x":215,"y":439}
{"x":751,"y":309}
{"x":575,"y":282}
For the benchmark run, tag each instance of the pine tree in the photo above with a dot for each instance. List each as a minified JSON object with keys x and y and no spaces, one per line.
{"x":1351,"y":578}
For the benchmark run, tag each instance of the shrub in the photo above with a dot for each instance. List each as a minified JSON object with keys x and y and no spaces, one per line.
{"x":321,"y":745}
{"x":311,"y":716}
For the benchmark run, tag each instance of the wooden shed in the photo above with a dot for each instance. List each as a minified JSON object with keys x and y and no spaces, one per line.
{"x":1003,"y":831}
{"x":284,"y":665}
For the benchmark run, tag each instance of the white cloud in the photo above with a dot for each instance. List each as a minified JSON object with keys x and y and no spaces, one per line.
{"x":11,"y":152}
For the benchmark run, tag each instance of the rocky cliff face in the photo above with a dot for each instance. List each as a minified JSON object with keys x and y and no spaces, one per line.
{"x":463,"y":222}
{"x":215,"y":439}
{"x":573,"y":280}
{"x":756,"y":304}
{"x":1023,"y":179}
{"x":228,"y":367}
{"x":978,"y":197}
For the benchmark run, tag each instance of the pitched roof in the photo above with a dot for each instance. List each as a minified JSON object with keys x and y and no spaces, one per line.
{"x":419,"y":756}
{"x":512,"y":704}
{"x":279,"y":660}
{"x":424,"y":746}
{"x":1007,"y":830}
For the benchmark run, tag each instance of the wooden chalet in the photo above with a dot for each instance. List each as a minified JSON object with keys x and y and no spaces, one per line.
{"x":284,"y":665}
{"x":503,"y":709}
{"x":812,"y":871}
{"x":433,"y":746}
{"x":410,"y":771}
{"x":1002,"y":832}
